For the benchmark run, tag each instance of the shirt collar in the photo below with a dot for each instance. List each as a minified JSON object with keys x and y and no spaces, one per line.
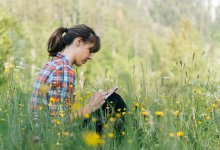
{"x":63,"y":57}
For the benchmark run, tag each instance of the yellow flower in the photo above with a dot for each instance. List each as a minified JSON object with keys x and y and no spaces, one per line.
{"x":55,"y":121}
{"x":159,"y":113}
{"x":112,"y":119}
{"x":123,"y":133}
{"x":62,"y":115}
{"x":124,"y":113}
{"x":214,"y":105}
{"x":40,"y":108}
{"x":8,"y":68}
{"x":199,"y":122}
{"x":94,"y":119}
{"x":180,"y":134}
{"x":111,"y":135}
{"x":50,"y":104}
{"x":87,"y":116}
{"x":92,"y":139}
{"x":199,"y":91}
{"x":207,"y":117}
{"x":119,"y":109}
{"x":144,"y":113}
{"x":52,"y":99}
{"x":58,"y":122}
{"x":76,"y":106}
{"x":117,"y":115}
{"x":136,"y":104}
{"x":177,"y":113}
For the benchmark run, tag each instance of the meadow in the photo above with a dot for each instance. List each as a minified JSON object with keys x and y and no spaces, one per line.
{"x":179,"y":113}
{"x":163,"y":55}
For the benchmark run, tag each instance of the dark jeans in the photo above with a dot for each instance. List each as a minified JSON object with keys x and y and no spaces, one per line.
{"x":113,"y":106}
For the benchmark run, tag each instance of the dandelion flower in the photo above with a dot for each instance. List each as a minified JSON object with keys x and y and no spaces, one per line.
{"x":39,"y":107}
{"x":136,"y":105}
{"x":117,"y":115}
{"x":144,"y":113}
{"x":199,"y":122}
{"x":177,"y":113}
{"x":199,"y":91}
{"x":62,"y":115}
{"x":87,"y":116}
{"x":214,"y":105}
{"x":207,"y":117}
{"x":94,"y":119}
{"x":159,"y":113}
{"x":112,"y":119}
{"x":58,"y":122}
{"x":92,"y":139}
{"x":119,"y":109}
{"x":123,"y":133}
{"x":180,"y":134}
{"x":52,"y":99}
{"x":76,"y":106}
{"x":123,"y":113}
{"x":111,"y":135}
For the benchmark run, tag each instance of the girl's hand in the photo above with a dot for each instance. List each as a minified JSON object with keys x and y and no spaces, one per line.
{"x":97,"y":100}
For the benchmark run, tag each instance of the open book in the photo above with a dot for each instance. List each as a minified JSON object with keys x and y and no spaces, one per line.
{"x":110,"y":92}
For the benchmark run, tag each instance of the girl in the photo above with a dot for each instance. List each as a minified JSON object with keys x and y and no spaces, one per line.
{"x":55,"y":84}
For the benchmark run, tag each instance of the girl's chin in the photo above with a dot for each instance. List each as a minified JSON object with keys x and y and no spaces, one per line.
{"x":80,"y":63}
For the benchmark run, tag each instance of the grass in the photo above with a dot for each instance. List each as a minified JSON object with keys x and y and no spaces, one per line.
{"x":188,"y":117}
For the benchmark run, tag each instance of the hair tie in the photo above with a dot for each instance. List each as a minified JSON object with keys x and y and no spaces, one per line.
{"x":66,"y":30}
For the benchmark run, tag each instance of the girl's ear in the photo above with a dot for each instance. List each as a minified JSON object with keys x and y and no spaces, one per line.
{"x":78,"y":41}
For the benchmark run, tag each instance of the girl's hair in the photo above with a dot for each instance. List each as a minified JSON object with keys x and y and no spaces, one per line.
{"x":57,"y":41}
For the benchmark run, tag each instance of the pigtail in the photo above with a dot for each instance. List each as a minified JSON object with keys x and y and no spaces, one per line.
{"x":56,"y":43}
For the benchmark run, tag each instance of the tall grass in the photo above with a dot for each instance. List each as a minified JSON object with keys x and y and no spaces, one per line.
{"x":175,"y":112}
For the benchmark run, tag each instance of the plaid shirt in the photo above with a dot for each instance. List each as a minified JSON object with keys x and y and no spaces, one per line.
{"x":54,"y":88}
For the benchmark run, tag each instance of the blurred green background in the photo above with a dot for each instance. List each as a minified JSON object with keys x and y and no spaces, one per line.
{"x":138,"y":37}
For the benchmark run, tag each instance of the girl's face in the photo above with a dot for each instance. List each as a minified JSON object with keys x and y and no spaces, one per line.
{"x":83,"y":53}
